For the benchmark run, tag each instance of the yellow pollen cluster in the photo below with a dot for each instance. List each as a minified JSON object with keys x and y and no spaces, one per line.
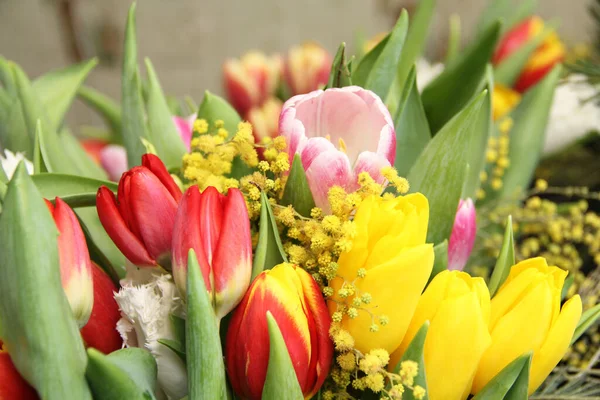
{"x":496,"y":157}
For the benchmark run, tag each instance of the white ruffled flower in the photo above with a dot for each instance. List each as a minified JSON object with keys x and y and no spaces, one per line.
{"x":570,"y":117}
{"x":427,"y":72}
{"x":146,"y":310}
{"x":11,"y":160}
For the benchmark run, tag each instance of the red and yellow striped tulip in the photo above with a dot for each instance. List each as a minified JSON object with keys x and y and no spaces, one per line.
{"x":140,"y":220}
{"x":458,"y":308}
{"x":295,"y":301}
{"x":526,"y":317}
{"x":12,"y":384}
{"x":265,"y":119}
{"x":75,"y":263}
{"x":307,"y":68}
{"x":218,"y":229}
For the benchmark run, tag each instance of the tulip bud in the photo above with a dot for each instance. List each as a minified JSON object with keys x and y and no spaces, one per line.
{"x":250,"y":80}
{"x":458,"y":309}
{"x":75,"y":263}
{"x":140,"y":220}
{"x":395,"y":264}
{"x":185,"y":127}
{"x":463,"y":234}
{"x":295,"y":301}
{"x":101,"y":330}
{"x":526,"y":317}
{"x":113,"y":159}
{"x":307,"y":68}
{"x":217,"y":227}
{"x":504,"y":100}
{"x":265,"y":119}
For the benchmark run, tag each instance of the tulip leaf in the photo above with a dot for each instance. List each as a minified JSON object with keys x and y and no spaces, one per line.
{"x":412,"y":128}
{"x":297,"y":192}
{"x":6,"y":76}
{"x":108,"y":109}
{"x":84,"y":165}
{"x":124,"y":374}
{"x":455,"y":87}
{"x":36,"y":322}
{"x":163,"y":132}
{"x":453,"y":38}
{"x":505,"y":260}
{"x":567,"y":285}
{"x":477,"y":147}
{"x":13,"y":130}
{"x":588,"y":318}
{"x":507,"y":11}
{"x":440,"y":171}
{"x":440,"y":260}
{"x":382,"y":72}
{"x":527,"y":134}
{"x":269,"y":250}
{"x":514,"y":376}
{"x":175,"y":346}
{"x":366,"y":63}
{"x":206,"y":371}
{"x":414,"y":352}
{"x":133,"y":121}
{"x":57,"y":89}
{"x":413,"y":47}
{"x":508,"y":70}
{"x":51,"y":185}
{"x":340,"y":74}
{"x":281,"y":382}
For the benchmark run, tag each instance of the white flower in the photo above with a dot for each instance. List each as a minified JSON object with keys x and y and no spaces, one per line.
{"x":427,"y":72}
{"x":146,"y":310}
{"x":11,"y":160}
{"x":570,"y":117}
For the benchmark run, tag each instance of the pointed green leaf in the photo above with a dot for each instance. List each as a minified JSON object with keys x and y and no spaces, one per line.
{"x":510,"y":11}
{"x":133,"y":121}
{"x":567,"y":285}
{"x":477,"y":147}
{"x":206,"y":371}
{"x":163,"y":132}
{"x":455,"y":87}
{"x":588,"y":318}
{"x":412,"y":128}
{"x":13,"y":129}
{"x":414,"y":352}
{"x":440,"y":260}
{"x":520,"y":389}
{"x":36,"y":322}
{"x":269,"y":250}
{"x":214,"y":108}
{"x":108,"y":109}
{"x":125,"y":374}
{"x":175,"y":346}
{"x":502,"y":384}
{"x":453,"y":38}
{"x":6,"y":76}
{"x":58,"y":88}
{"x":340,"y":74}
{"x":83,"y":163}
{"x":38,"y":160}
{"x":527,"y":134}
{"x":281,"y":382}
{"x":505,"y":260}
{"x":366,"y":63}
{"x":297,"y":192}
{"x":507,"y":71}
{"x":52,"y":185}
{"x":440,"y":171}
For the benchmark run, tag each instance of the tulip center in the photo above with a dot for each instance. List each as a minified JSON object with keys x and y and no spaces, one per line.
{"x":342,"y":145}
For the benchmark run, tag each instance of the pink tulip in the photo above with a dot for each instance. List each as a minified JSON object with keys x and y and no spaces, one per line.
{"x":185,"y":128}
{"x":462,"y":238}
{"x":338,"y":134}
{"x":113,"y":159}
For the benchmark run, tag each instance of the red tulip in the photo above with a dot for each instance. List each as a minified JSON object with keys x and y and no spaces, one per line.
{"x":307,"y":68}
{"x":75,"y":263}
{"x":218,"y":229}
{"x":295,"y":301}
{"x":140,"y":220}
{"x":101,"y":330}
{"x":12,"y":385}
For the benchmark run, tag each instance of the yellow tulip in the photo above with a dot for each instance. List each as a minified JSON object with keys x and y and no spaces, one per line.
{"x":390,"y":247}
{"x":526,"y":316}
{"x":458,"y":308}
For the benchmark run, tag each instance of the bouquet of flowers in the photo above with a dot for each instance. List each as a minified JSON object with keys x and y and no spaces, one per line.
{"x":305,"y":238}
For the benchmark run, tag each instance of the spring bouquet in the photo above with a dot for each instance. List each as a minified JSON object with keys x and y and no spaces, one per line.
{"x":304,"y":239}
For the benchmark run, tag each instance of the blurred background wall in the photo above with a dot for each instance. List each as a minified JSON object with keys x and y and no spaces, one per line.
{"x":187,"y":40}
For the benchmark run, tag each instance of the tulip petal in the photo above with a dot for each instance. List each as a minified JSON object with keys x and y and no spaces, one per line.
{"x":113,"y":159}
{"x":185,"y":128}
{"x":372,"y":163}
{"x":241,"y":90}
{"x":156,"y":166}
{"x":12,"y":384}
{"x":327,"y":170}
{"x":210,"y":219}
{"x":117,"y":229}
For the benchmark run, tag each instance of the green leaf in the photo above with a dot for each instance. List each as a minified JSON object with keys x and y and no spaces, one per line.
{"x":412,"y":128}
{"x":124,"y":374}
{"x":269,"y":250}
{"x":82,"y":162}
{"x":414,"y":352}
{"x":520,"y":389}
{"x":440,"y":260}
{"x":108,"y":109}
{"x":6,"y":76}
{"x":133,"y":121}
{"x":51,"y":185}
{"x":382,"y":72}
{"x":505,"y":260}
{"x":477,"y":147}
{"x":588,"y":318}
{"x":567,"y":285}
{"x":366,"y":63}
{"x":13,"y":129}
{"x":175,"y":346}
{"x":297,"y":192}
{"x":36,"y":322}
{"x":340,"y":74}
{"x":453,"y":38}
{"x":206,"y":371}
{"x":527,"y":134}
{"x":281,"y":382}
{"x":440,"y":171}
{"x":507,"y":71}
{"x":455,"y":87}
{"x":57,"y":89}
{"x":515,"y":374}
{"x":163,"y":132}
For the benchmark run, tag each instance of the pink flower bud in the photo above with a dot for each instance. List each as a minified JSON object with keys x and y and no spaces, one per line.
{"x":463,"y":234}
